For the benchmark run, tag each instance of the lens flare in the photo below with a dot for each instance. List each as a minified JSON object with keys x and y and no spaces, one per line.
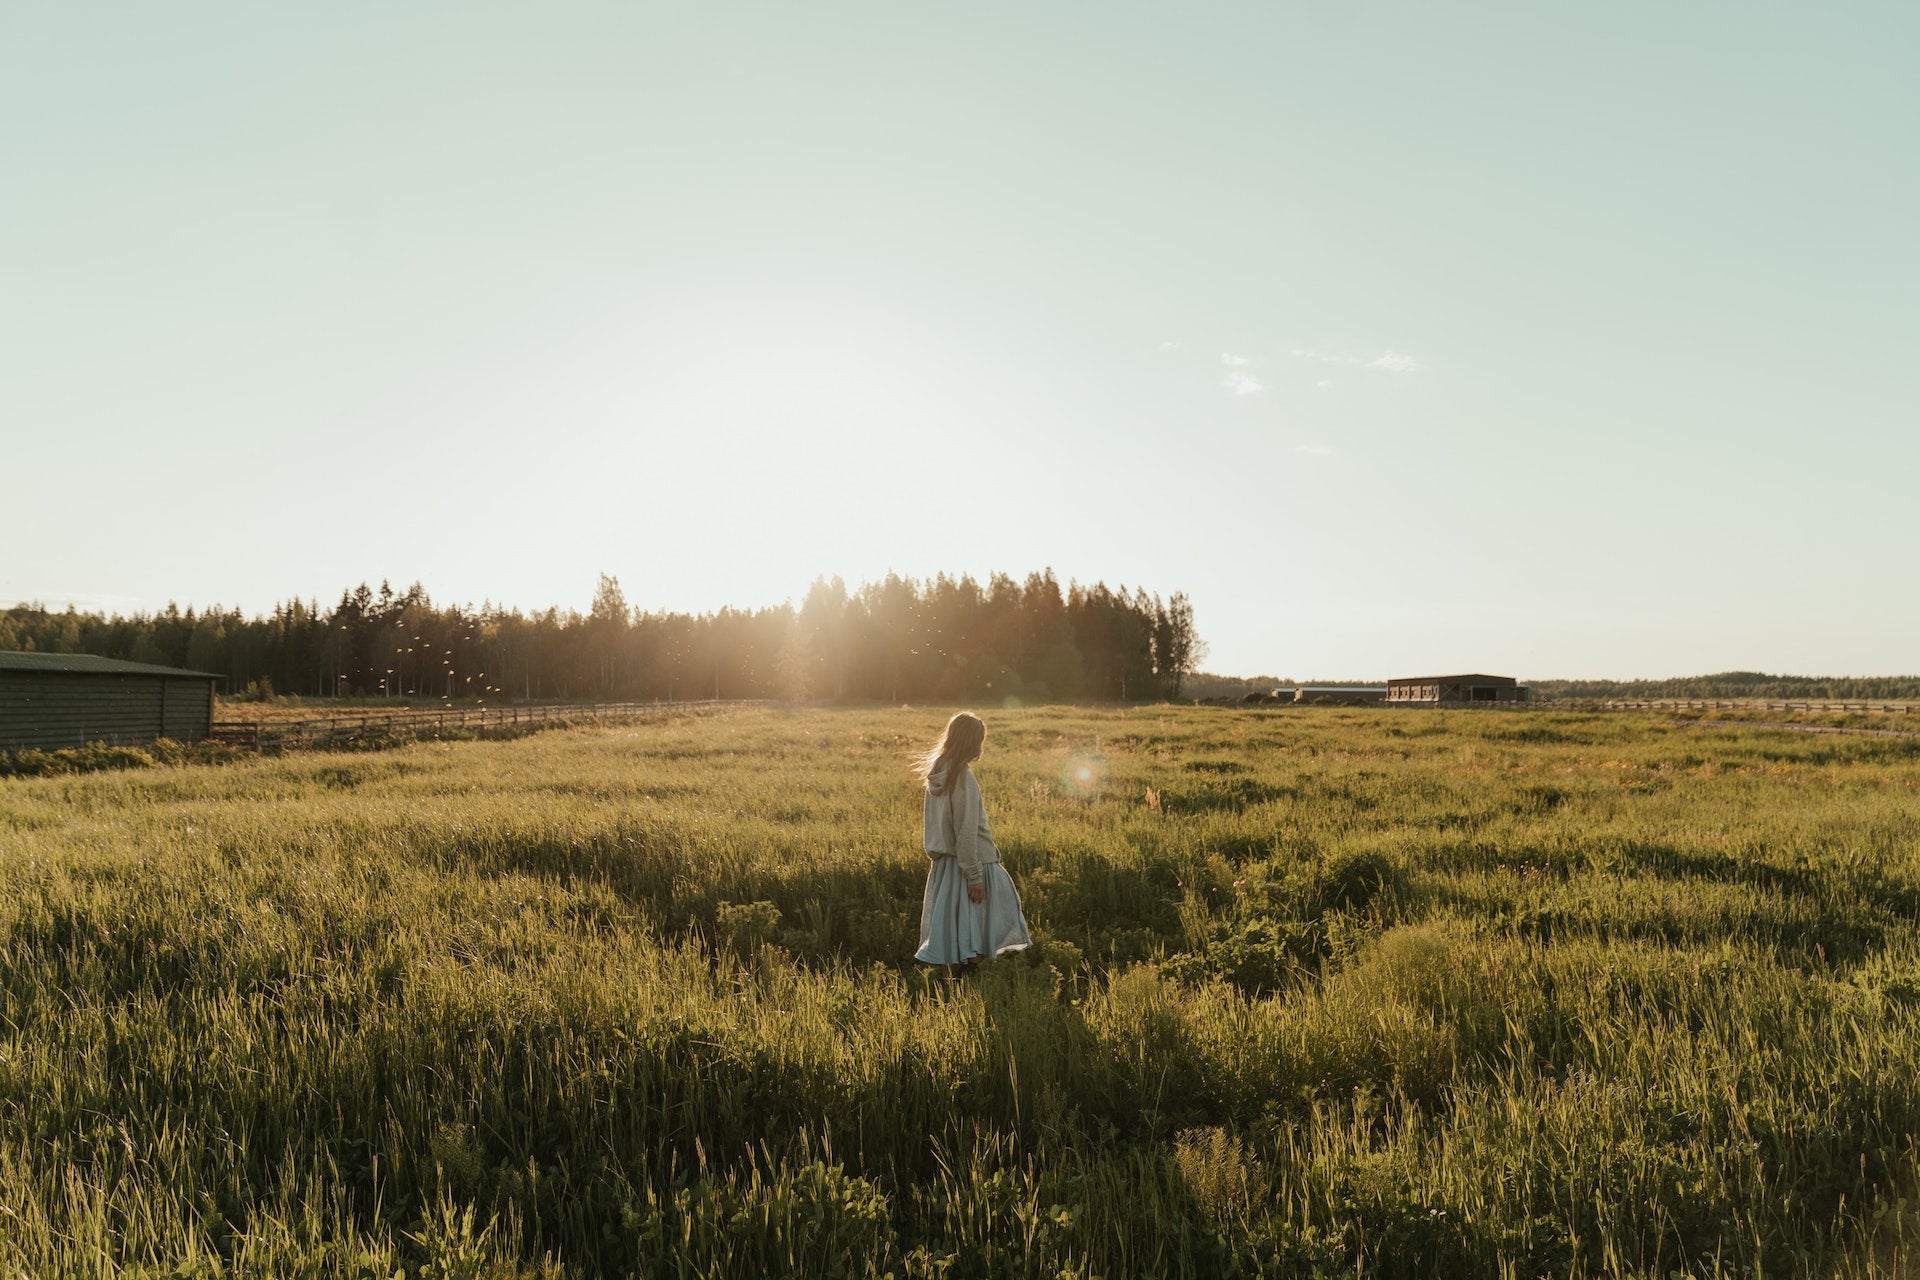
{"x":1085,"y":773}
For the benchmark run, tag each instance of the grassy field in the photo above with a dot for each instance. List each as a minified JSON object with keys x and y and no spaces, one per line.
{"x":293,"y":707}
{"x":1316,"y":992}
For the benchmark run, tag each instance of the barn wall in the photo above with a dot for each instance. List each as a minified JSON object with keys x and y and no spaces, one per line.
{"x":65,"y":709}
{"x":1429,"y":692}
{"x":1464,"y":692}
{"x":188,"y":714}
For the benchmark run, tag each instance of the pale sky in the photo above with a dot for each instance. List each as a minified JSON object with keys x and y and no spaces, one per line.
{"x":1544,"y":339}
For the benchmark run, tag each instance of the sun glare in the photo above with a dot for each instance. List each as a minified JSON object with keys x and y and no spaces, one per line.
{"x":1084,"y":774}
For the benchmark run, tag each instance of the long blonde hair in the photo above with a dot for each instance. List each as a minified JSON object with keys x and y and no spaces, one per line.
{"x":959,"y":746}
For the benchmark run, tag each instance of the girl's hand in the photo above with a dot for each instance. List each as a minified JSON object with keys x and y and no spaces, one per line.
{"x":976,"y":893}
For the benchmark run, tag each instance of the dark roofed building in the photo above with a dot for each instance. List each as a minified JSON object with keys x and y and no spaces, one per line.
{"x":1349,"y":695}
{"x":1436,"y":691}
{"x":52,"y":700}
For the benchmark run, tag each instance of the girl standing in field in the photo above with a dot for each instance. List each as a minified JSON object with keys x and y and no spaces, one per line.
{"x":970,"y":911}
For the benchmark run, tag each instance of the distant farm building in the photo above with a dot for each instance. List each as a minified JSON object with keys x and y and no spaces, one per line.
{"x":1347,"y":695}
{"x":68,"y":699}
{"x":1440,"y":691}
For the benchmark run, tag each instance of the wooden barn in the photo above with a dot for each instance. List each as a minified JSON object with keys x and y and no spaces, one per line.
{"x":68,"y":699}
{"x":1439,"y":691}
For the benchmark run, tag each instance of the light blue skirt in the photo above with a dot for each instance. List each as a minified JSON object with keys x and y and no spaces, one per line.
{"x":954,"y":930}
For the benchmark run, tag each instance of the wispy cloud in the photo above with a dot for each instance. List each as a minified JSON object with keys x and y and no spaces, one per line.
{"x":1389,"y":361}
{"x":1238,"y":380}
{"x":1241,"y":379}
{"x":1313,"y":450}
{"x":1169,"y":345}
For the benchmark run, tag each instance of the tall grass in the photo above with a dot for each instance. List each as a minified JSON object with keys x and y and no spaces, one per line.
{"x":1315,"y":993}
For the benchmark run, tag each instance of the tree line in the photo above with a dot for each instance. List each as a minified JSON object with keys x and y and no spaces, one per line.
{"x":897,"y":640}
{"x":1736,"y":684}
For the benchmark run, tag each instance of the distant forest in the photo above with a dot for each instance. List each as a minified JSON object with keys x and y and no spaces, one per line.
{"x":1728,"y":684}
{"x":898,"y":640}
{"x":1734,"y":684}
{"x":1208,"y":684}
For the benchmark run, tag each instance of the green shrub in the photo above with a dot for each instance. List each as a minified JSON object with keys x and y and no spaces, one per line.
{"x":92,"y":758}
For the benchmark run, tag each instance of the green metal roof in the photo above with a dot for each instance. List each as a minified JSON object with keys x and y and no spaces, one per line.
{"x":87,"y":664}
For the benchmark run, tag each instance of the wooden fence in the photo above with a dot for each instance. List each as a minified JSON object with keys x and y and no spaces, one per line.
{"x":1830,"y":706}
{"x":429,"y":722}
{"x":1745,"y":704}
